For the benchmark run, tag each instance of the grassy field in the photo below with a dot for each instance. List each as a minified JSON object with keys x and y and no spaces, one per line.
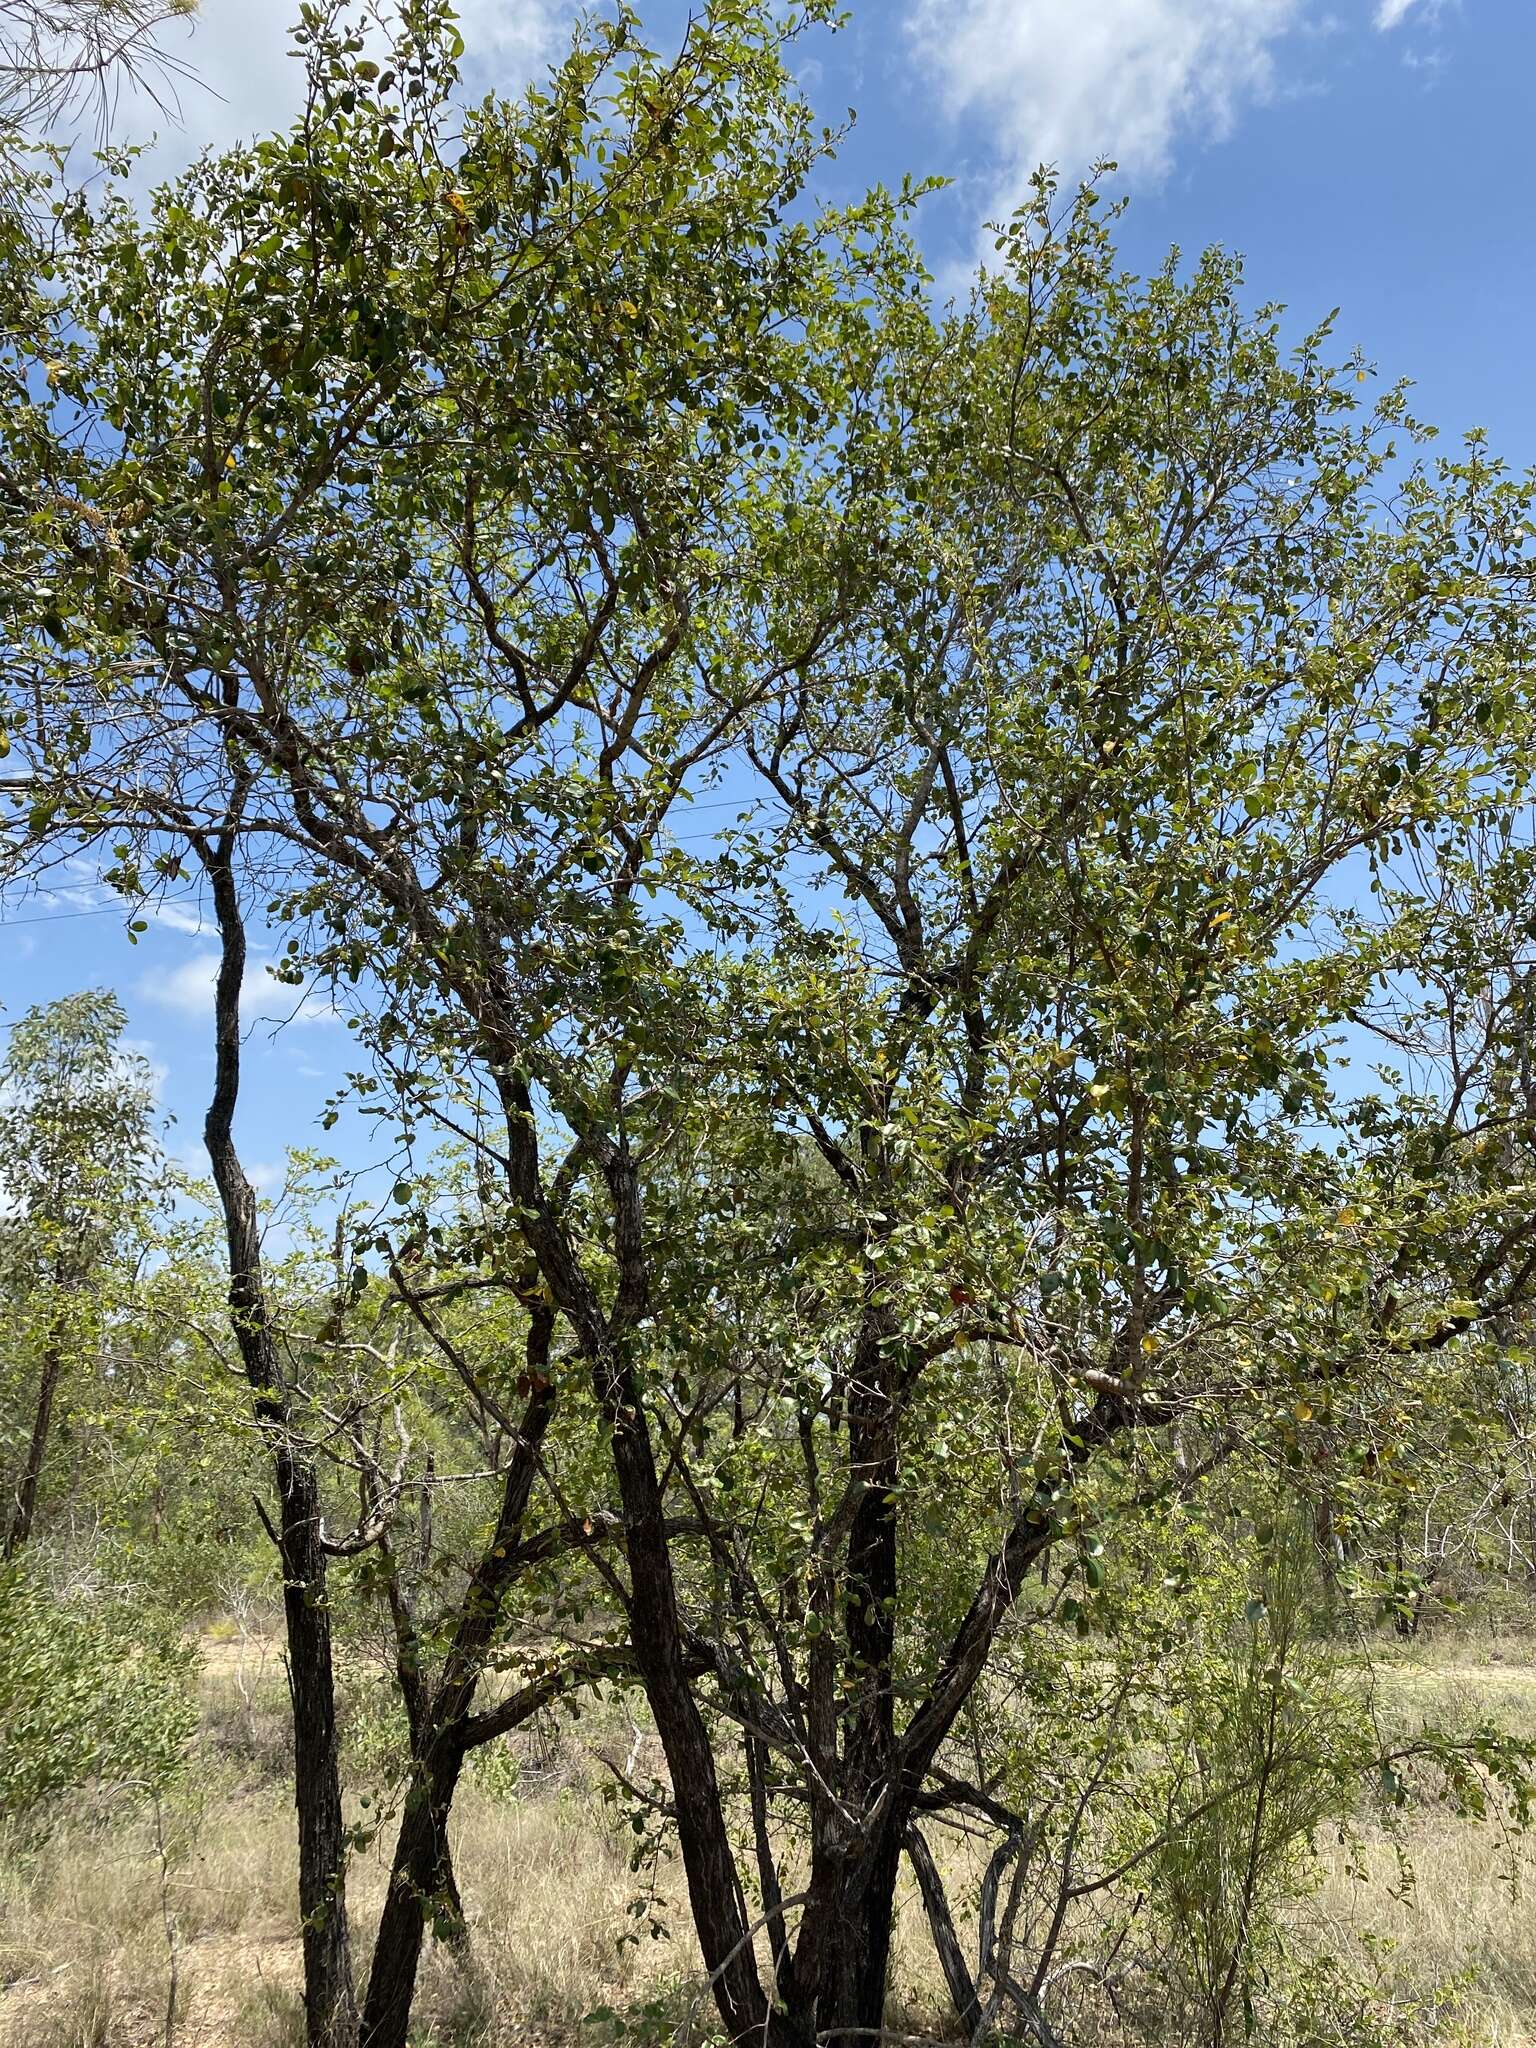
{"x":90,"y":1928}
{"x":1463,"y":1910}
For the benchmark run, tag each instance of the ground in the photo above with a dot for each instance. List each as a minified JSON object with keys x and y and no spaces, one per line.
{"x":91,"y":1922}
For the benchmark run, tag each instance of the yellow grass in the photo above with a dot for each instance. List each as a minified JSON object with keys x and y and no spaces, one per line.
{"x":84,"y":1954}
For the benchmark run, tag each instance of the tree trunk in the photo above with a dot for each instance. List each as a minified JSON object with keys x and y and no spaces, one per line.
{"x":715,"y":1892}
{"x":421,"y":1878}
{"x":856,"y":1951}
{"x":958,"y":1980}
{"x":714,"y":1886}
{"x":25,"y":1505}
{"x":420,"y":1883}
{"x":330,"y":1998}
{"x":853,"y":1955}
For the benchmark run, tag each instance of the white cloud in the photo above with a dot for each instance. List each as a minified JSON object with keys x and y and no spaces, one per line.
{"x":1068,"y":81}
{"x":505,"y":41}
{"x":1393,"y":13}
{"x":228,"y":78}
{"x":188,"y":990}
{"x":178,"y":920}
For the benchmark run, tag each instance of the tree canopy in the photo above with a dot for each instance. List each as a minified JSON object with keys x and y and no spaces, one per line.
{"x":956,"y":878}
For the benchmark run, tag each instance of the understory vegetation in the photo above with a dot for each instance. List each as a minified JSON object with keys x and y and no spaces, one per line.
{"x":906,"y":1412}
{"x":1414,"y":1927}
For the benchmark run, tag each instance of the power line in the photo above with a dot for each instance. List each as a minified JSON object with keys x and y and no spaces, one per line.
{"x":62,"y":916}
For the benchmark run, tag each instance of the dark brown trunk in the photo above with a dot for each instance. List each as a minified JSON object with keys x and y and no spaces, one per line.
{"x":715,"y":1893}
{"x":941,"y":1925}
{"x":421,"y":1888}
{"x":421,"y":1883}
{"x":767,"y":1867}
{"x":856,"y":1949}
{"x":330,"y":1999}
{"x":847,"y":1964}
{"x":714,"y":1887}
{"x":25,"y":1506}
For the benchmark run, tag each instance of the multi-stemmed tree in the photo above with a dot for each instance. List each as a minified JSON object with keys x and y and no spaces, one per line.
{"x":935,"y":1153}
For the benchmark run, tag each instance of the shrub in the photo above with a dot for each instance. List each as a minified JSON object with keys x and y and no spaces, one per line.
{"x":90,"y":1689}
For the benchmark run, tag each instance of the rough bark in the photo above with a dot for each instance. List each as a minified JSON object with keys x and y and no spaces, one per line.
{"x":24,"y":1507}
{"x":714,"y":1885}
{"x":850,"y":1992}
{"x":420,"y":1883}
{"x":941,"y":1925}
{"x":421,"y":1880}
{"x":330,"y":2000}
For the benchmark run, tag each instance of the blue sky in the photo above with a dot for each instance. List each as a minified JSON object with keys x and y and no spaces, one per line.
{"x":1373,"y":155}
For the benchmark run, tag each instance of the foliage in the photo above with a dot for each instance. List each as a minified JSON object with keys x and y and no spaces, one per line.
{"x":76,"y":1111}
{"x":875,"y":1226}
{"x":1275,"y":1746}
{"x":79,"y":1152}
{"x":92,"y":1688}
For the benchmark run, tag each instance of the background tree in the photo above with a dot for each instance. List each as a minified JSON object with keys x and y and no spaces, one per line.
{"x":76,"y":1130}
{"x":58,"y":57}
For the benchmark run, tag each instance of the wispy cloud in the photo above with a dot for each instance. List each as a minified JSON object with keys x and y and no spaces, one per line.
{"x":1393,"y":13}
{"x":1068,"y":81}
{"x":176,"y":919}
{"x":505,"y":41}
{"x":187,"y":990}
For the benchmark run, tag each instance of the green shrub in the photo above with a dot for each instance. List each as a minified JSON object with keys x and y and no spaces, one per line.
{"x":90,"y":1690}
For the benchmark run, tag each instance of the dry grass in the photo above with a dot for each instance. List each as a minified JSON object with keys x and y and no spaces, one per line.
{"x":1466,"y":1917}
{"x":85,"y":1961}
{"x":547,"y":1885}
{"x":1459,"y":1907}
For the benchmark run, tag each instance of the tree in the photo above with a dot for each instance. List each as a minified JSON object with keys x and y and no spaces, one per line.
{"x":57,"y":56}
{"x":330,"y":1999}
{"x":88,"y":1690}
{"x":76,"y":1111}
{"x":665,"y":383}
{"x":941,"y":1169}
